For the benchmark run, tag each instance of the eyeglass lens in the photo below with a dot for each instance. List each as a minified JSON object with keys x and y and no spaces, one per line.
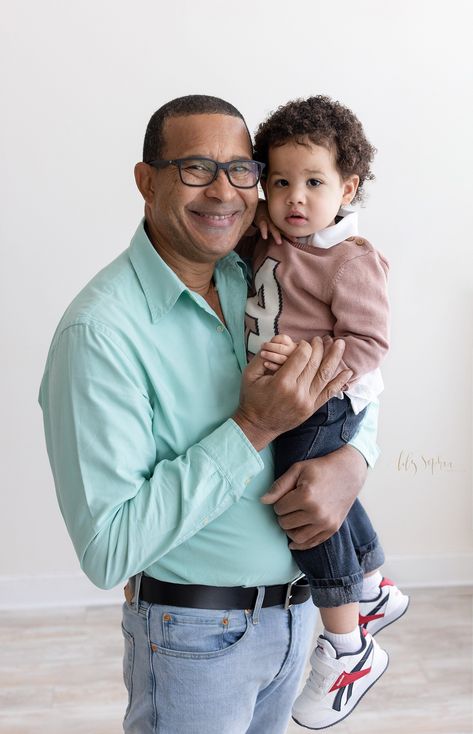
{"x":199,"y":172}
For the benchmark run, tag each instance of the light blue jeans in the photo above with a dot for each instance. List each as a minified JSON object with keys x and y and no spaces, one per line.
{"x":198,"y":671}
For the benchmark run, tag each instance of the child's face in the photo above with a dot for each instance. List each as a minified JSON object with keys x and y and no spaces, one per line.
{"x":304,"y":188}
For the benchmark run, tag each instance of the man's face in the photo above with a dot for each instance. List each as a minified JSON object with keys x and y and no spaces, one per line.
{"x":201,"y":224}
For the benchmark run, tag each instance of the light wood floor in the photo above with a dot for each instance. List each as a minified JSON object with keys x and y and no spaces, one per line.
{"x":60,"y":672}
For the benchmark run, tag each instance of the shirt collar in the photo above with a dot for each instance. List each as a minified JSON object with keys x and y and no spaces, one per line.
{"x":347,"y":226}
{"x":160,"y":284}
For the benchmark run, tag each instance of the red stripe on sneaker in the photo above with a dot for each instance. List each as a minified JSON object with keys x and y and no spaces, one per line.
{"x":386,"y":582}
{"x":369,"y":618}
{"x":346,"y":678}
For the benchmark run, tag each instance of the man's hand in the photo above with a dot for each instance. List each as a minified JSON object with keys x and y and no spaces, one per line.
{"x":313,"y":498}
{"x":271,"y":404}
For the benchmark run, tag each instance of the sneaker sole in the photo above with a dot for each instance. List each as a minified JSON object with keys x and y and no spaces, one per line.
{"x":373,"y":634}
{"x":334,"y":723}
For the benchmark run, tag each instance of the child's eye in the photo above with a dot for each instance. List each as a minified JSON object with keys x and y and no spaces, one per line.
{"x":314,"y":182}
{"x":281,"y":182}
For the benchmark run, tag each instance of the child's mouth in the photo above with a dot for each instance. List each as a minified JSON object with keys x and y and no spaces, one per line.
{"x":295,"y":218}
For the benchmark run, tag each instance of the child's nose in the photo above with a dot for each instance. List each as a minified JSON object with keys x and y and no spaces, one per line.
{"x":296,"y":195}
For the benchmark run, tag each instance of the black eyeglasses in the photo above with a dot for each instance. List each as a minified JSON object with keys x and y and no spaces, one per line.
{"x":203,"y":171}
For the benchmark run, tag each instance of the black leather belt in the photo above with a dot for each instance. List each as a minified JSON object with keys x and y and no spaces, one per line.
{"x":221,"y":597}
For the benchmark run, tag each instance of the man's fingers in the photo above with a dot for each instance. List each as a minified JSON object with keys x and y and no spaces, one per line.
{"x":310,"y":543}
{"x":292,"y":520}
{"x":322,"y":367}
{"x":331,"y":360}
{"x":281,"y":486}
{"x":263,"y":228}
{"x":335,"y":386}
{"x":296,"y":362}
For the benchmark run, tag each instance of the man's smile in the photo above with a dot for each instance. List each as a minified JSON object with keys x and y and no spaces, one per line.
{"x":214,"y":219}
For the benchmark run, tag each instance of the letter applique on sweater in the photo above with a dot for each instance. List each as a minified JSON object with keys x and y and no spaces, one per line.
{"x":264,"y":308}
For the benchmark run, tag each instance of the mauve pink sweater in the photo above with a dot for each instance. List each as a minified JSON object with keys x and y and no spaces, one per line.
{"x":306,"y":291}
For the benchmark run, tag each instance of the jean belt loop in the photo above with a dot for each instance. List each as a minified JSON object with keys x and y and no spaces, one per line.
{"x":258,"y":604}
{"x":136,"y":597}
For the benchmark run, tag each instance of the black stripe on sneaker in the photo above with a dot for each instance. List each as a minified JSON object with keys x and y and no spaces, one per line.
{"x":381,"y":603}
{"x":337,"y":701}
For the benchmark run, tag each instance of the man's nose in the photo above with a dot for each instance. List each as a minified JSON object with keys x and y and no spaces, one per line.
{"x":221,"y":188}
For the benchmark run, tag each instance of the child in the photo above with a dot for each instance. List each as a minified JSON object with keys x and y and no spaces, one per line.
{"x":322,"y":279}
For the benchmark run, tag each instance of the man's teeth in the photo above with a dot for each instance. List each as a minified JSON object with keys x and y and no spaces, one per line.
{"x":214,"y":216}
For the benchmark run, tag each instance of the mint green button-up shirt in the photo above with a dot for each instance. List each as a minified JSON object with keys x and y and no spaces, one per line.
{"x":151,"y":472}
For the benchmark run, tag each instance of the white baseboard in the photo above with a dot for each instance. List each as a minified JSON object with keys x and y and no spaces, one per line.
{"x":30,"y":592}
{"x":447,"y":569}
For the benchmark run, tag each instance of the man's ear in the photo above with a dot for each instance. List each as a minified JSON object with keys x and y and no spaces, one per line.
{"x":350,"y":186}
{"x":145,"y":181}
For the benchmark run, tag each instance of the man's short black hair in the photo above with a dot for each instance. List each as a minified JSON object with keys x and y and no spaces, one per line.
{"x":192,"y":104}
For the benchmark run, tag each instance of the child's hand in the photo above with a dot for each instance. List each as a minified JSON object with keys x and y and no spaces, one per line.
{"x":265,"y":224}
{"x":275,"y":352}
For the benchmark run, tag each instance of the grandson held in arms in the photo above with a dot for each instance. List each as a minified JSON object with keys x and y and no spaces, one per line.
{"x":313,"y":275}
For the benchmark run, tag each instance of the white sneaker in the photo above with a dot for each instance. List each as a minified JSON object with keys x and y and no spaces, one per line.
{"x":384,"y":609}
{"x":337,"y":682}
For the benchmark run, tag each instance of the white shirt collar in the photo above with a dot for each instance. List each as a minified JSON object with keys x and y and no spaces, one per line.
{"x":330,"y":236}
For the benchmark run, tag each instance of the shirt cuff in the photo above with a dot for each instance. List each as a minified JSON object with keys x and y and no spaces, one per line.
{"x":234,"y":455}
{"x":364,"y":439}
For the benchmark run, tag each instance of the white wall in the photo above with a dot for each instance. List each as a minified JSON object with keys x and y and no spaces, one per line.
{"x":83,"y":79}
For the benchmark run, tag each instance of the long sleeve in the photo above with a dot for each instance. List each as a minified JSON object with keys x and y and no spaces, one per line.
{"x":123,"y":506}
{"x":361,"y":309}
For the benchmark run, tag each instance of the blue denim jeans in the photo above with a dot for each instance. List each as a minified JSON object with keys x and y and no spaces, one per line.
{"x":336,"y":567}
{"x":198,"y":671}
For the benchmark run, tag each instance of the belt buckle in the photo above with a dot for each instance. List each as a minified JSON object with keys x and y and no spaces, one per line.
{"x":287,"y":602}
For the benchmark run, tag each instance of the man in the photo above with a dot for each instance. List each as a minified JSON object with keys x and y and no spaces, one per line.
{"x":160,"y":450}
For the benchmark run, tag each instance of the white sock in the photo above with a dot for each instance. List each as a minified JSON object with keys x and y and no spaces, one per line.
{"x":350,"y":642}
{"x":371,"y":586}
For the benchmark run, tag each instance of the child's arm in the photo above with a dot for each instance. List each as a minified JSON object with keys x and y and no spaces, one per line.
{"x":265,"y":224}
{"x":275,"y":352}
{"x":262,"y":225}
{"x":361,"y":309}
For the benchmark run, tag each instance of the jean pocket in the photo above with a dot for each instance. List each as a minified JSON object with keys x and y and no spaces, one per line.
{"x":198,"y":633}
{"x":128,"y":664}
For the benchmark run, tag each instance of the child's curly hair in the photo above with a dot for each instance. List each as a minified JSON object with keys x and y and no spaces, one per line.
{"x":325,"y":122}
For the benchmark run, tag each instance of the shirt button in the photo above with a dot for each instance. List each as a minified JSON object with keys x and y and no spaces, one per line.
{"x":248,"y":480}
{"x":360,"y":241}
{"x":220,"y":328}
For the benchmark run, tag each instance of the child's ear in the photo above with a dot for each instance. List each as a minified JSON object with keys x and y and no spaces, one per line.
{"x":350,"y":186}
